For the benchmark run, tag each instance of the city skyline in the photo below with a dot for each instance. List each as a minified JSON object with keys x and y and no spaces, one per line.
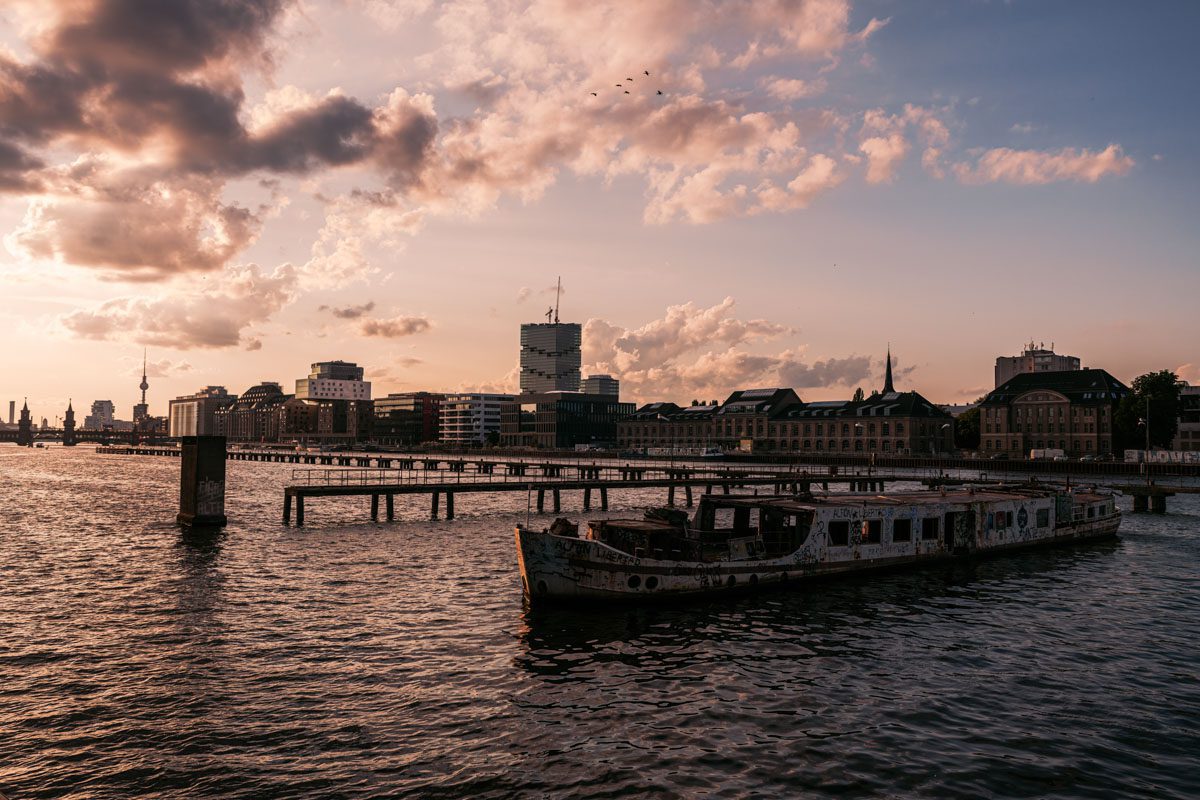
{"x":818,"y":179}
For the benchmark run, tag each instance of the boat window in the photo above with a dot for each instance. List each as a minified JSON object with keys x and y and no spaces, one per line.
{"x":1091,"y":511}
{"x":1043,"y":518}
{"x":902,"y":530}
{"x":929,"y":528}
{"x":839,"y":533}
{"x":873,"y":531}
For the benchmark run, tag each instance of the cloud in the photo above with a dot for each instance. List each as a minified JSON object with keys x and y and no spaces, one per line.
{"x":848,"y":371}
{"x":158,"y":368}
{"x":788,"y":89}
{"x":395,"y":327}
{"x":112,"y":220}
{"x":1035,"y":167}
{"x":349,"y":312}
{"x":883,"y":154}
{"x":193,"y":317}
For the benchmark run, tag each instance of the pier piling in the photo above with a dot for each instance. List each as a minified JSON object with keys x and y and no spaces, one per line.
{"x":202,"y":481}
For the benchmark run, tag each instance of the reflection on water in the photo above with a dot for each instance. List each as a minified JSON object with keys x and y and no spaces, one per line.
{"x":358,"y":659}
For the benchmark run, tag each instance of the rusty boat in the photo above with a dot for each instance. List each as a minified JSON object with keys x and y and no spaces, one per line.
{"x":735,"y":542}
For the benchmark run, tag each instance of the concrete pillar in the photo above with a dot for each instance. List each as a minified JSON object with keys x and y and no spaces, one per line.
{"x":433,"y":512}
{"x":391,"y":507}
{"x":1158,"y":503}
{"x":202,"y":481}
{"x":557,"y":501}
{"x":287,"y":508}
{"x":688,"y":490}
{"x":449,"y":505}
{"x":587,"y":499}
{"x":604,"y":498}
{"x":1141,"y":504}
{"x":374,"y":507}
{"x":671,"y":495}
{"x":541,"y":500}
{"x":299,"y":509}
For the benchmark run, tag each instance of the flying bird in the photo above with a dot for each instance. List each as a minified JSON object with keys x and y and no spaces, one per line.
{"x":626,"y":91}
{"x":618,"y":85}
{"x":660,"y":91}
{"x":593,"y":94}
{"x":646,"y":72}
{"x":629,"y":79}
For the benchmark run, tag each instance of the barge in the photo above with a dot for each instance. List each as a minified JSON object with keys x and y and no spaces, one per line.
{"x":736,"y":542}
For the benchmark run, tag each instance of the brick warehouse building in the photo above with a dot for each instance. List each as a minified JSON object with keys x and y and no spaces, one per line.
{"x":777,"y":420}
{"x":1072,"y":411}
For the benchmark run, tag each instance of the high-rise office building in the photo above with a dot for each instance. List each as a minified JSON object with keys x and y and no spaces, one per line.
{"x":334,"y":380}
{"x":551,"y":355}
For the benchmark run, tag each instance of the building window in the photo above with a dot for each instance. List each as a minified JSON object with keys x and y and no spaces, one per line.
{"x":929,"y":528}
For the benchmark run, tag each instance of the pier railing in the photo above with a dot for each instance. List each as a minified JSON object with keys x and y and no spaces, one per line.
{"x":342,"y":476}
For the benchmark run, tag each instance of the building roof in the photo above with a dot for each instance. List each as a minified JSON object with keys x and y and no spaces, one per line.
{"x":889,"y":404}
{"x":757,"y":401}
{"x":1083,"y":386}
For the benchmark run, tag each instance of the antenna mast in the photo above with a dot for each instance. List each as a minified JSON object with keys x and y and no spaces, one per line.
{"x":557,"y":294}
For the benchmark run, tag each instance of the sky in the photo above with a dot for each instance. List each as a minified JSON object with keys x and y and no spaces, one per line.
{"x":240,"y":188}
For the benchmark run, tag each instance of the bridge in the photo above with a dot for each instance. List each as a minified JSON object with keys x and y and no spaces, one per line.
{"x":94,"y":437}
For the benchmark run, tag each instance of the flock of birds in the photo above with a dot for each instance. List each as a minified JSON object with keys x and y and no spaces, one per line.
{"x":622,"y":85}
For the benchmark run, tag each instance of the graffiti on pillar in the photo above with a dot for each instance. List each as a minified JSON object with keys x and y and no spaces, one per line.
{"x":210,"y":498}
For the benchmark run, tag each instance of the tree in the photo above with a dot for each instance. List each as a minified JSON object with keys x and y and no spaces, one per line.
{"x":858,"y":395}
{"x":966,"y":429}
{"x":1159,"y":389}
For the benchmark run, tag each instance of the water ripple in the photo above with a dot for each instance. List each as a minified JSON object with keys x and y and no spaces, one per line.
{"x":353,"y":659}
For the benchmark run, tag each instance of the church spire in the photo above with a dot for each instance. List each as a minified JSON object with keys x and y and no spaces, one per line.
{"x":887,"y":379}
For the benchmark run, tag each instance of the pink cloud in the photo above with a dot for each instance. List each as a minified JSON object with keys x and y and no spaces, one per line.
{"x":1033,"y":167}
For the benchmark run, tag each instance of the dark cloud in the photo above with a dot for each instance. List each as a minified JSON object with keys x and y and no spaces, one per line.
{"x":830,"y":372}
{"x":349,"y":312}
{"x":396,"y":327}
{"x":179,"y":35}
{"x":15,"y":166}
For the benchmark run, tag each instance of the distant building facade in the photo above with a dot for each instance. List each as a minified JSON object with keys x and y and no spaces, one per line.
{"x":101,"y":417}
{"x":1187,"y":437}
{"x":605,"y":385}
{"x":777,"y":420}
{"x":194,"y":414}
{"x":561,"y":420}
{"x":1072,"y":411}
{"x":253,"y":417}
{"x":468,"y":419}
{"x":551,"y":355}
{"x":1035,"y":358}
{"x":334,"y":380}
{"x":408,"y":418}
{"x":667,"y":426}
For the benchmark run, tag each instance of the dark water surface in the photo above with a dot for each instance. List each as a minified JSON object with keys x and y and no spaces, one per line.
{"x":351,"y":659}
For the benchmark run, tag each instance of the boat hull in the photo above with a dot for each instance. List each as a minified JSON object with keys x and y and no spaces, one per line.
{"x":558,"y":568}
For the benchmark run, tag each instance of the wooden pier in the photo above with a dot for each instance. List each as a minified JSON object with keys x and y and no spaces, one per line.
{"x":592,"y":482}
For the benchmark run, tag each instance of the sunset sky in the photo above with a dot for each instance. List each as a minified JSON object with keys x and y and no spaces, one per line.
{"x":246,"y":186}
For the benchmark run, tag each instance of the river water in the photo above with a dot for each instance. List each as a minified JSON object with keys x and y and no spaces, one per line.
{"x":355,"y":659}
